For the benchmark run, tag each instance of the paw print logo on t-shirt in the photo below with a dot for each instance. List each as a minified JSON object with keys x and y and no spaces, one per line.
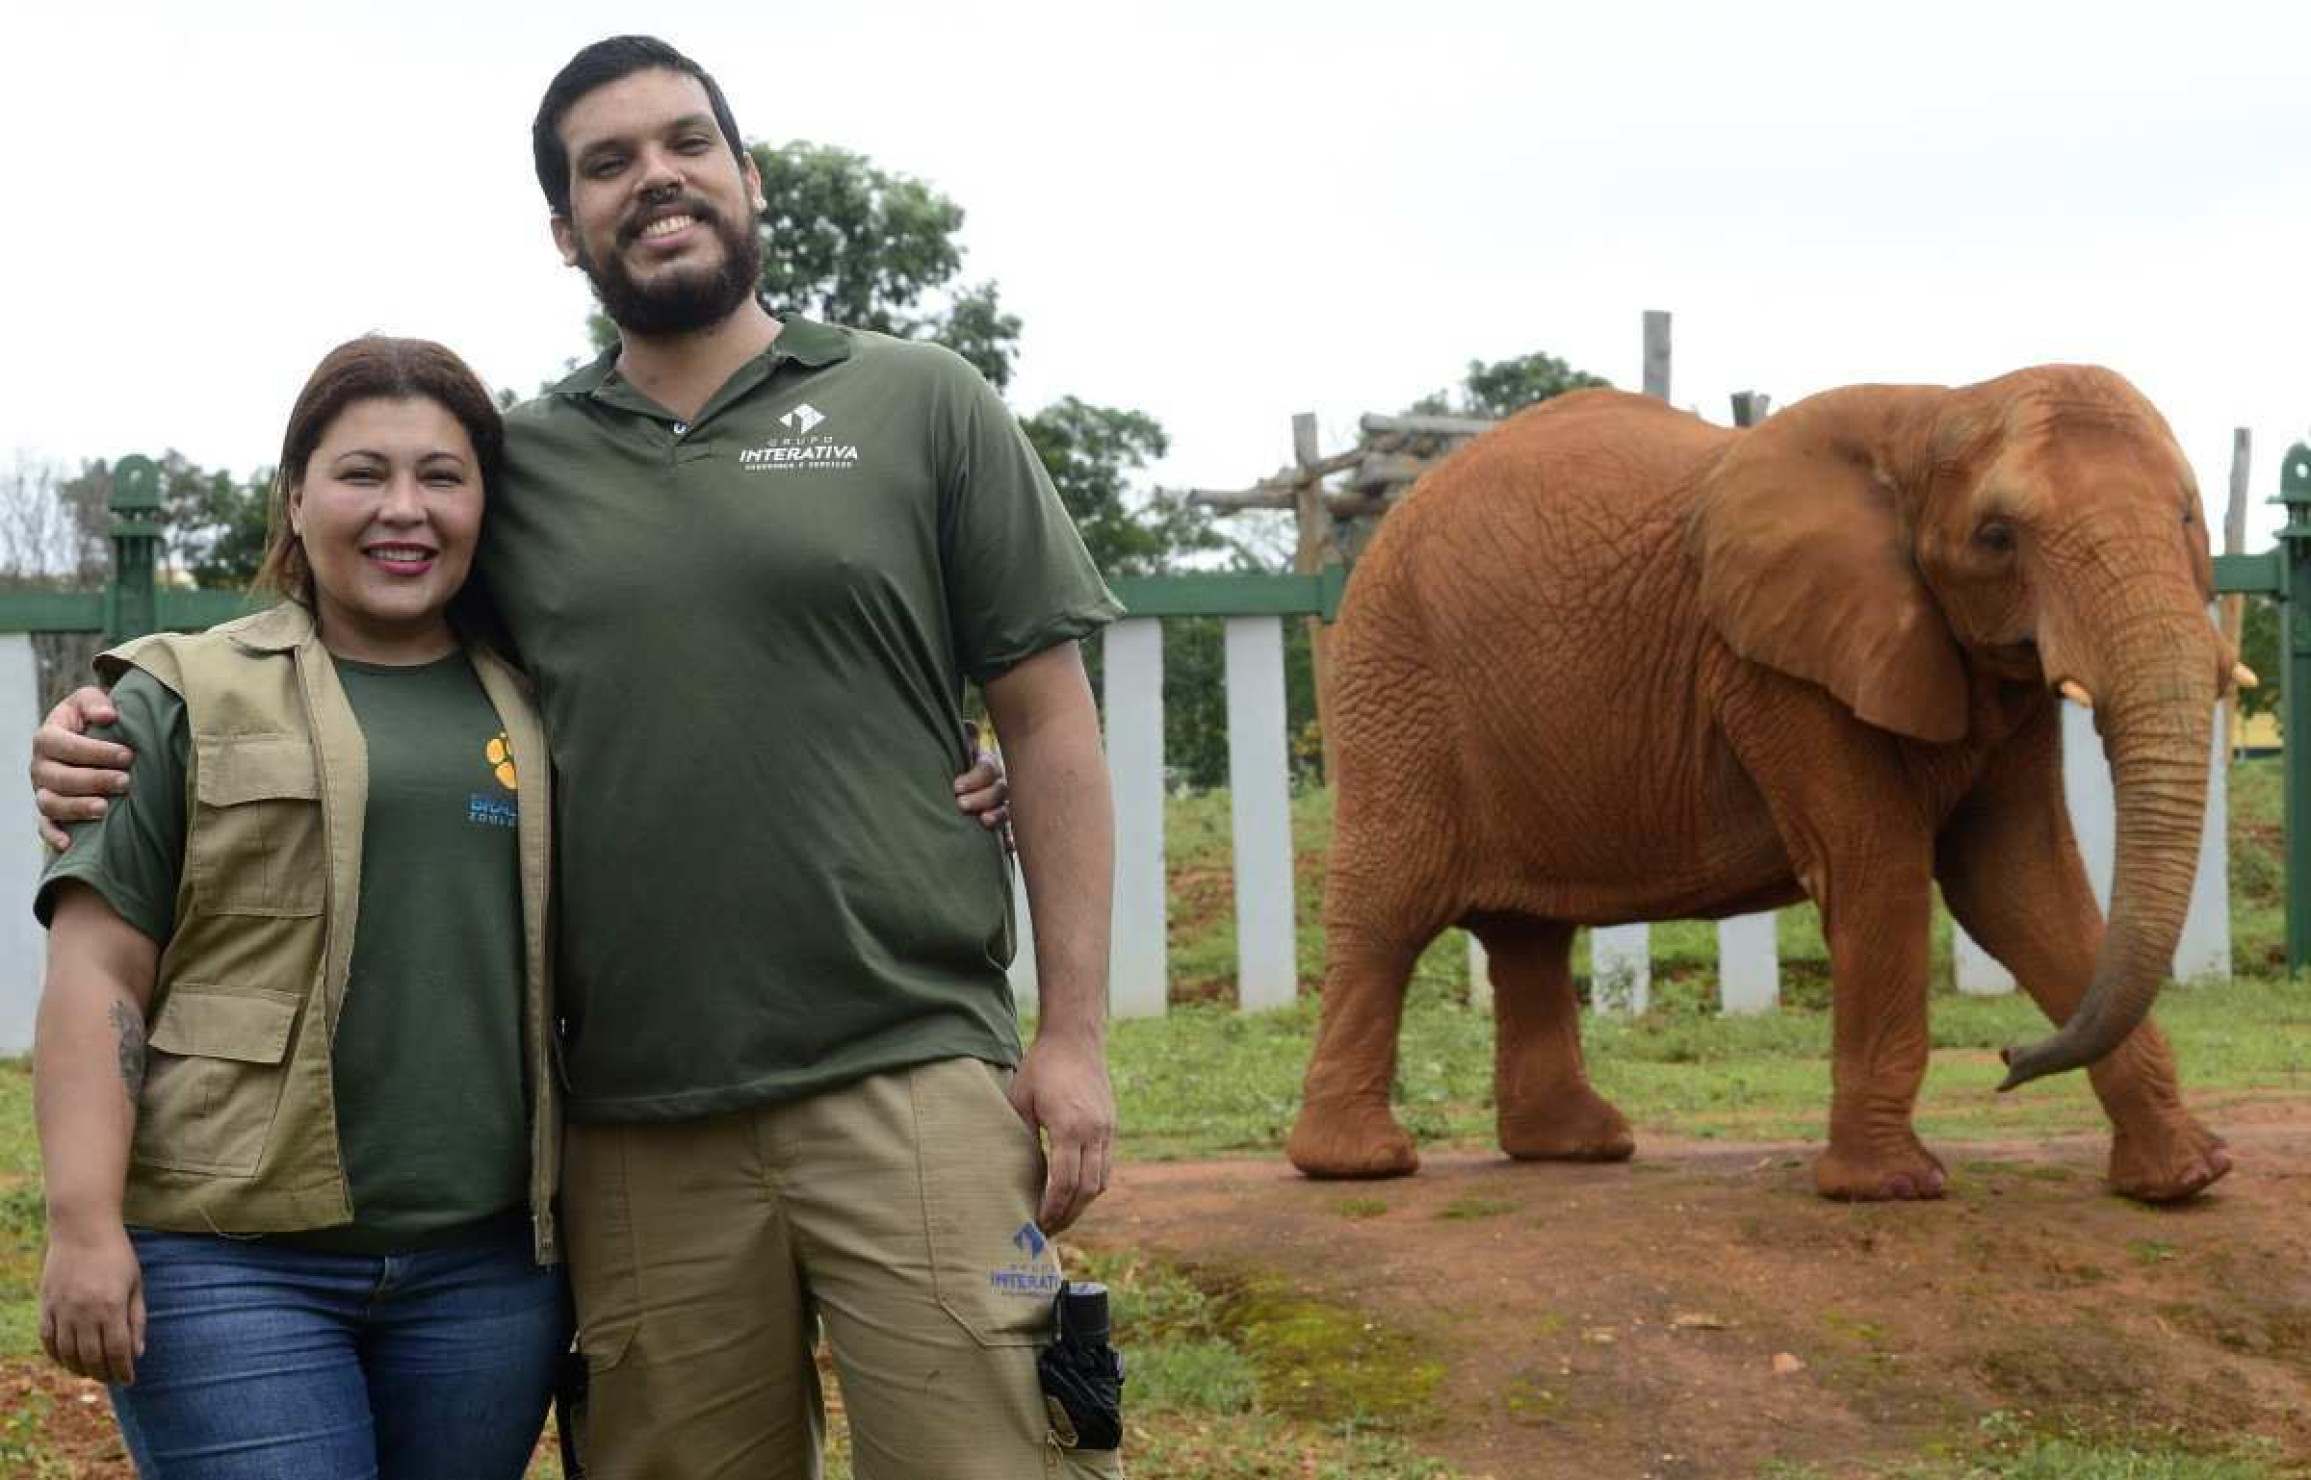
{"x":500,"y":755}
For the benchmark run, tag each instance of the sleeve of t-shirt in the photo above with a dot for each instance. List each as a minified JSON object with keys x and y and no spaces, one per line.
{"x":134,"y":854}
{"x":1018,"y":577}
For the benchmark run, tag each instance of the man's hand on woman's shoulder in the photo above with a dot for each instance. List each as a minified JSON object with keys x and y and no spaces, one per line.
{"x":73,"y":771}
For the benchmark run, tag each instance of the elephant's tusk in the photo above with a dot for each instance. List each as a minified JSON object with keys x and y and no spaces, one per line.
{"x":2076,"y":693}
{"x":2243,"y":676}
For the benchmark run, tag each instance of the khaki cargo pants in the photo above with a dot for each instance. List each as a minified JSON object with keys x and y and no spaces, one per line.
{"x":898,"y":1210}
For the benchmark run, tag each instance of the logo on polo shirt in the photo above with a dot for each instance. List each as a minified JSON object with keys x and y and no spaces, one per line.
{"x":808,"y":448}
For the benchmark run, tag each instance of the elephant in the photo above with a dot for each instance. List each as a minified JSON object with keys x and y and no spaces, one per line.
{"x":1611,"y":663}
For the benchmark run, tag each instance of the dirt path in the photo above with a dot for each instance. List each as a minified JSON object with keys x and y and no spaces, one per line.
{"x":1641,"y":1320}
{"x":1644,"y":1319}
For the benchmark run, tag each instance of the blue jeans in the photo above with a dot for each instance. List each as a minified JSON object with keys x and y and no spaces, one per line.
{"x":270,"y":1363}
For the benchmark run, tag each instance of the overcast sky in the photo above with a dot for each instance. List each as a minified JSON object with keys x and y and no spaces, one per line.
{"x":1218,"y":213}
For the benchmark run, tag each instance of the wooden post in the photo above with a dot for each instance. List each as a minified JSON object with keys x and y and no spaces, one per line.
{"x":1749,"y":946}
{"x":1621,"y":956}
{"x":1260,"y":807}
{"x":1310,"y":555}
{"x":1657,"y":353}
{"x":1139,"y":968}
{"x":2235,"y":543}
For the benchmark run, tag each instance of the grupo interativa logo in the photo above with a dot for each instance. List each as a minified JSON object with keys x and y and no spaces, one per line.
{"x":808,"y":448}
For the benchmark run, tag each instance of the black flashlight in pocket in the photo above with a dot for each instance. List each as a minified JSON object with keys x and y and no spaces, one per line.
{"x":1082,"y":1375}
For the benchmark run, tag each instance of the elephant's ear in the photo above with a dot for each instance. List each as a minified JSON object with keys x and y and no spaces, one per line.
{"x":1806,"y":567}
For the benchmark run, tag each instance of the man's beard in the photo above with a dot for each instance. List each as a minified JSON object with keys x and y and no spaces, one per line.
{"x":682,"y":301}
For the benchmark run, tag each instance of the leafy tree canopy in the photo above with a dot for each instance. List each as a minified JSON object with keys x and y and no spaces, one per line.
{"x":1090,"y":452}
{"x":1503,"y":387}
{"x":213,"y":523}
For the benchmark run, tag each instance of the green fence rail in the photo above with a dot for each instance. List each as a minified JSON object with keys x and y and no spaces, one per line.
{"x":136,"y":603}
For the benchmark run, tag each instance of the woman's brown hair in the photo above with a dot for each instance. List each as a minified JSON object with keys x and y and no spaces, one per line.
{"x":371,"y":368}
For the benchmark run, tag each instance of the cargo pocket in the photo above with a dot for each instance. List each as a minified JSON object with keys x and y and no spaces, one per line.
{"x":213,"y":1078}
{"x":992,"y":1268}
{"x":256,"y":841}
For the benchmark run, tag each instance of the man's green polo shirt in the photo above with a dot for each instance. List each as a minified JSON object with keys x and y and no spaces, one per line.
{"x":751,"y":634}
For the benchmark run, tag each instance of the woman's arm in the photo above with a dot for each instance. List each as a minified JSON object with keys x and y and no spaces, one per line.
{"x":88,"y":1069}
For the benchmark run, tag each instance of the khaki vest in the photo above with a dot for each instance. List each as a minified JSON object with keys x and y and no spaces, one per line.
{"x":237,"y":1126}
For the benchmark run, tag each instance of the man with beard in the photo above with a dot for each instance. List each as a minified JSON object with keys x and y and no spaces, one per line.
{"x":751,"y":564}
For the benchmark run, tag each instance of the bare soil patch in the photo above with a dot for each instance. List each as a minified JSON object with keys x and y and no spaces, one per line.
{"x":1699,"y":1311}
{"x":68,"y":1417}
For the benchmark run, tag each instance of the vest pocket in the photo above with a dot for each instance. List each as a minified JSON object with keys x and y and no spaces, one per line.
{"x":255,"y":846}
{"x":213,"y":1078}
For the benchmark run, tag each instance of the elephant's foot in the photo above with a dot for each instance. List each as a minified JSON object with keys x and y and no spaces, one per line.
{"x":1577,"y":1124}
{"x":1886,"y":1168}
{"x":1350,"y":1139}
{"x":2166,"y":1160}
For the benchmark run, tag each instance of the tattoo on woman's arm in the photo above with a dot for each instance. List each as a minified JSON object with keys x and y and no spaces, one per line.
{"x":130,"y":1025}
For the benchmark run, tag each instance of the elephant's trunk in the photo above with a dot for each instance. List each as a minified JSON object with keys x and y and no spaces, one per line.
{"x":2157,"y":730}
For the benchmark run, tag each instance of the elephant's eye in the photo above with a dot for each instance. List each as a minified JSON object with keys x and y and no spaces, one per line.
{"x":1996,"y":536}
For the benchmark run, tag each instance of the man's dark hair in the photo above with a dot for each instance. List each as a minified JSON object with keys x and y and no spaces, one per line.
{"x":599,"y":65}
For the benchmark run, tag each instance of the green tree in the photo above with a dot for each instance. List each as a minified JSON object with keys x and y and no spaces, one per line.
{"x":213,"y":523}
{"x":1508,"y":386}
{"x":1090,"y":452}
{"x":1501,"y":388}
{"x":852,"y":244}
{"x":217,"y":525}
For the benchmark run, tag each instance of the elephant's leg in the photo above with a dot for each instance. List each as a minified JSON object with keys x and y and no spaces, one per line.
{"x":2011,"y":874}
{"x":1345,"y":1127}
{"x":1858,"y":837}
{"x":1547,"y":1110}
{"x":1877,"y":908}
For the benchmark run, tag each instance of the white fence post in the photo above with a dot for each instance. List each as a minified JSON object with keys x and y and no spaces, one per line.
{"x":2205,"y":946}
{"x":1748,"y":963}
{"x":1480,"y":975}
{"x":1026,"y":987}
{"x":2205,"y":949}
{"x":1974,"y":971}
{"x":1138,"y":977}
{"x":1621,"y":968}
{"x":1260,"y":806}
{"x":23,"y":945}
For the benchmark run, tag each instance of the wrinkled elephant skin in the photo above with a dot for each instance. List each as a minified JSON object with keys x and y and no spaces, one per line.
{"x":1611,"y":663}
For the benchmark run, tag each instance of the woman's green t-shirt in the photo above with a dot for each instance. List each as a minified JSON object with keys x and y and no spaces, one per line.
{"x":432,"y":1108}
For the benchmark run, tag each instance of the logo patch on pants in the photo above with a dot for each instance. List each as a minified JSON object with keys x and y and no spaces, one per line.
{"x":1036,"y":1276}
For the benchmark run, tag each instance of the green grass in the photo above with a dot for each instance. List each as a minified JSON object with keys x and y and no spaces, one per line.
{"x":1237,"y":1376}
{"x":2010,"y":1446}
{"x":1206,"y":1080}
{"x":23,"y":1216}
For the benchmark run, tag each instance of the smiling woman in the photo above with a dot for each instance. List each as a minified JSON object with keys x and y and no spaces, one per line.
{"x":267,"y":1135}
{"x":387,"y":513}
